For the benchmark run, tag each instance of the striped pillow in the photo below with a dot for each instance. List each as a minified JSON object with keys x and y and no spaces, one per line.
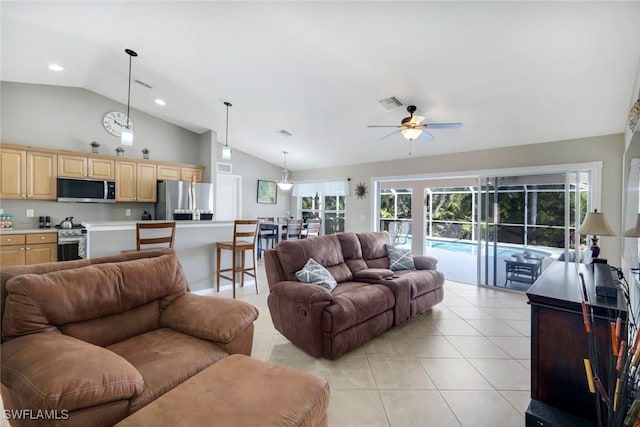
{"x":400,"y":259}
{"x":316,"y":274}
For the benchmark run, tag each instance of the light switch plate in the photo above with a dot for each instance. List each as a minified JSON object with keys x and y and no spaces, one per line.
{"x":127,"y":212}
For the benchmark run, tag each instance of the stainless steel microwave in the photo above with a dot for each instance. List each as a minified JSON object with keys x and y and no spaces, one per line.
{"x":86,"y":190}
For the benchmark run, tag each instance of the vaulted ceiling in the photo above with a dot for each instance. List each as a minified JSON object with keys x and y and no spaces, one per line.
{"x":512,"y":72}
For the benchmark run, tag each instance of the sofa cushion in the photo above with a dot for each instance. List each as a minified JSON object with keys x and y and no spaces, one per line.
{"x":374,"y":251}
{"x":57,"y":372}
{"x":38,"y":303}
{"x":400,"y":259}
{"x":422,"y":281}
{"x":354,"y":303}
{"x":315,"y":274}
{"x":326,"y":250}
{"x":165,"y":358}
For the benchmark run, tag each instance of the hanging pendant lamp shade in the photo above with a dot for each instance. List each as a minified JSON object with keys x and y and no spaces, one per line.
{"x":226,"y":150}
{"x":285,"y":183}
{"x":126,"y":136}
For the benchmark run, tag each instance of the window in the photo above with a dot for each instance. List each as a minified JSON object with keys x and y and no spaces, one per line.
{"x":330,"y":209}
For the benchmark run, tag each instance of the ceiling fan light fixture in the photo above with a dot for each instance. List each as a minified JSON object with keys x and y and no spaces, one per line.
{"x":411,"y":133}
{"x":285,"y":183}
{"x":126,"y":136}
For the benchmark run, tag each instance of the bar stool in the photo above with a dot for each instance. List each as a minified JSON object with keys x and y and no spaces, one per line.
{"x":167,"y":227}
{"x":244,"y":239}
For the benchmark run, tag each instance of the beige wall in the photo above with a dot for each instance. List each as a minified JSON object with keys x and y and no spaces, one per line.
{"x":608,"y":149}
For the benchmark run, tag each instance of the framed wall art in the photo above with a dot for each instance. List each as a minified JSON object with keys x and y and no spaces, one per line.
{"x":267,"y":192}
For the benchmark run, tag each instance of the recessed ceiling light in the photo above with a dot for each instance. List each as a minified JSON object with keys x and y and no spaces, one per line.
{"x":160,"y":102}
{"x":55,"y":67}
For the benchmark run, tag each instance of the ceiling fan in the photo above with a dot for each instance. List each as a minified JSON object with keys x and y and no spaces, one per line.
{"x":412,"y":127}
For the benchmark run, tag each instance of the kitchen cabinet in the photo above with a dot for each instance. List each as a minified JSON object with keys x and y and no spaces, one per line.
{"x":168,"y":173}
{"x":180,"y":173}
{"x":26,"y":174}
{"x":135,"y":182}
{"x":29,"y":248}
{"x":72,"y":166}
{"x":188,"y":174}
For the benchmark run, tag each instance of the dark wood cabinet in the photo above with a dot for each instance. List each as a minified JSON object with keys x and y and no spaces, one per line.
{"x":559,"y":343}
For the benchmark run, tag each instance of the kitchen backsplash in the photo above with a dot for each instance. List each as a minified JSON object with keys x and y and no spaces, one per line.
{"x":79,"y":211}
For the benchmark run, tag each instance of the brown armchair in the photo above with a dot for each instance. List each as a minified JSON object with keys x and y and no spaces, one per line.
{"x":96,"y":340}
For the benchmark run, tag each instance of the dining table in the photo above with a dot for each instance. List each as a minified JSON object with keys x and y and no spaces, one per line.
{"x":270,"y":227}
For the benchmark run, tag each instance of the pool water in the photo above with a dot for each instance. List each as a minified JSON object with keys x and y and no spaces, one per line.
{"x":472,"y":248}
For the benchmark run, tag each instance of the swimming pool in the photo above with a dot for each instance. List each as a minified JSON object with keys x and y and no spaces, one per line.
{"x":472,"y":248}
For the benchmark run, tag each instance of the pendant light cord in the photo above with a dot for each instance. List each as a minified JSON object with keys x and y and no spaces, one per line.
{"x":226,"y":134}
{"x":131,"y":54}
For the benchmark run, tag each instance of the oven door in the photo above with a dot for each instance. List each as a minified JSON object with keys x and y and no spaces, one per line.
{"x":71,"y":248}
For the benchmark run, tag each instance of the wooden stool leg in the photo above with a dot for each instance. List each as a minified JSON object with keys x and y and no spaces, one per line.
{"x":218,"y":269}
{"x":233,"y":272}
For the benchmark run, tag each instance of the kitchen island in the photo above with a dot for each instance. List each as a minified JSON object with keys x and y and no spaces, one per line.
{"x":194,"y":244}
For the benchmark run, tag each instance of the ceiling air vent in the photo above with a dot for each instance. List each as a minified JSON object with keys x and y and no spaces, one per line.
{"x":390,"y":103}
{"x":143,"y":84}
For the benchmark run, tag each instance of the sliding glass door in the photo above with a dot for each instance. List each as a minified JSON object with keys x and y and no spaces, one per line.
{"x":527,"y":222}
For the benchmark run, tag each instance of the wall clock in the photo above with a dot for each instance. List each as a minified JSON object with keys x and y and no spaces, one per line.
{"x":115,"y":121}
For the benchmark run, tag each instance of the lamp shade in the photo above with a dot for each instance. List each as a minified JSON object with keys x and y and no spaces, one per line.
{"x":595,"y":224}
{"x":411,"y":133}
{"x":126,"y":137}
{"x":226,"y":152}
{"x":634,"y":231}
{"x":285,"y":184}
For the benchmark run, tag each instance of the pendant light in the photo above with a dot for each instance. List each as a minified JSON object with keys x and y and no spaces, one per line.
{"x":226,"y":150}
{"x":126,"y":136}
{"x":285,"y":184}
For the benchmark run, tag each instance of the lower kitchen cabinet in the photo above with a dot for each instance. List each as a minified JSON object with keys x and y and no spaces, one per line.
{"x":27,"y":249}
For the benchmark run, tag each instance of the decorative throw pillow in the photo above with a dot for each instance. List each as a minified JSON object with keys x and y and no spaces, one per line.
{"x":400,"y":259}
{"x":316,"y":274}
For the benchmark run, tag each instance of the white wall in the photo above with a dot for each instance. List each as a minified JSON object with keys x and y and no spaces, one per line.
{"x":608,"y":149}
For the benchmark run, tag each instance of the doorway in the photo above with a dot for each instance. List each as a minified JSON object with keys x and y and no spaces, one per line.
{"x":228,"y":197}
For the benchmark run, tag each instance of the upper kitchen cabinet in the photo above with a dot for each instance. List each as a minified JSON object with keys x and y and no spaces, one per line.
{"x":173,"y":172}
{"x":71,"y":166}
{"x":192,"y":174}
{"x":135,"y":182}
{"x":27,"y":174}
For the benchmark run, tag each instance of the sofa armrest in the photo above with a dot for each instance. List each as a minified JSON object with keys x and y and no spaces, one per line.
{"x":373,"y":274}
{"x":424,"y":262}
{"x":296,"y":311}
{"x":52,"y":371}
{"x":208,"y":317}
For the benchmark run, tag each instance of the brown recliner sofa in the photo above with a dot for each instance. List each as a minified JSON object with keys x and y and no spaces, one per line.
{"x":89,"y":342}
{"x":368,"y":299}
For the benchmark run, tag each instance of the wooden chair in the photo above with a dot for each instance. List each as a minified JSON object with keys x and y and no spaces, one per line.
{"x":293,"y":230}
{"x":167,"y":227}
{"x":313,"y":228}
{"x":245,"y":232}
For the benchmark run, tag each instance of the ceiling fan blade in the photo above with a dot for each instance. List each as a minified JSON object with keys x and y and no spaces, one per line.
{"x":444,"y":125}
{"x":384,"y":126}
{"x":390,"y":135}
{"x":416,"y":120}
{"x":426,"y":136}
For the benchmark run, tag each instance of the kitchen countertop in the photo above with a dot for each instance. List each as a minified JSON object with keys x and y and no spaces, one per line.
{"x":131,"y":225}
{"x":27,"y":230}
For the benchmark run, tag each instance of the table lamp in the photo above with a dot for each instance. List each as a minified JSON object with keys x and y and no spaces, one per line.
{"x":595,"y":225}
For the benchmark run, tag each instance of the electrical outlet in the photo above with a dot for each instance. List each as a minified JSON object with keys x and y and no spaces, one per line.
{"x":127,"y":212}
{"x":30,"y":213}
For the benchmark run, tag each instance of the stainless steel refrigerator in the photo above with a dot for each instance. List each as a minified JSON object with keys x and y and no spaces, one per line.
{"x":183,"y":200}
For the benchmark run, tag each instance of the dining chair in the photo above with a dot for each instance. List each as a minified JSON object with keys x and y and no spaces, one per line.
{"x":268,"y":234}
{"x":166,"y":230}
{"x":313,"y":228}
{"x":293,"y":229}
{"x":245,"y":232}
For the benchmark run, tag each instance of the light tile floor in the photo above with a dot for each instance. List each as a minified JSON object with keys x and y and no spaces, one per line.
{"x":466,"y":362}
